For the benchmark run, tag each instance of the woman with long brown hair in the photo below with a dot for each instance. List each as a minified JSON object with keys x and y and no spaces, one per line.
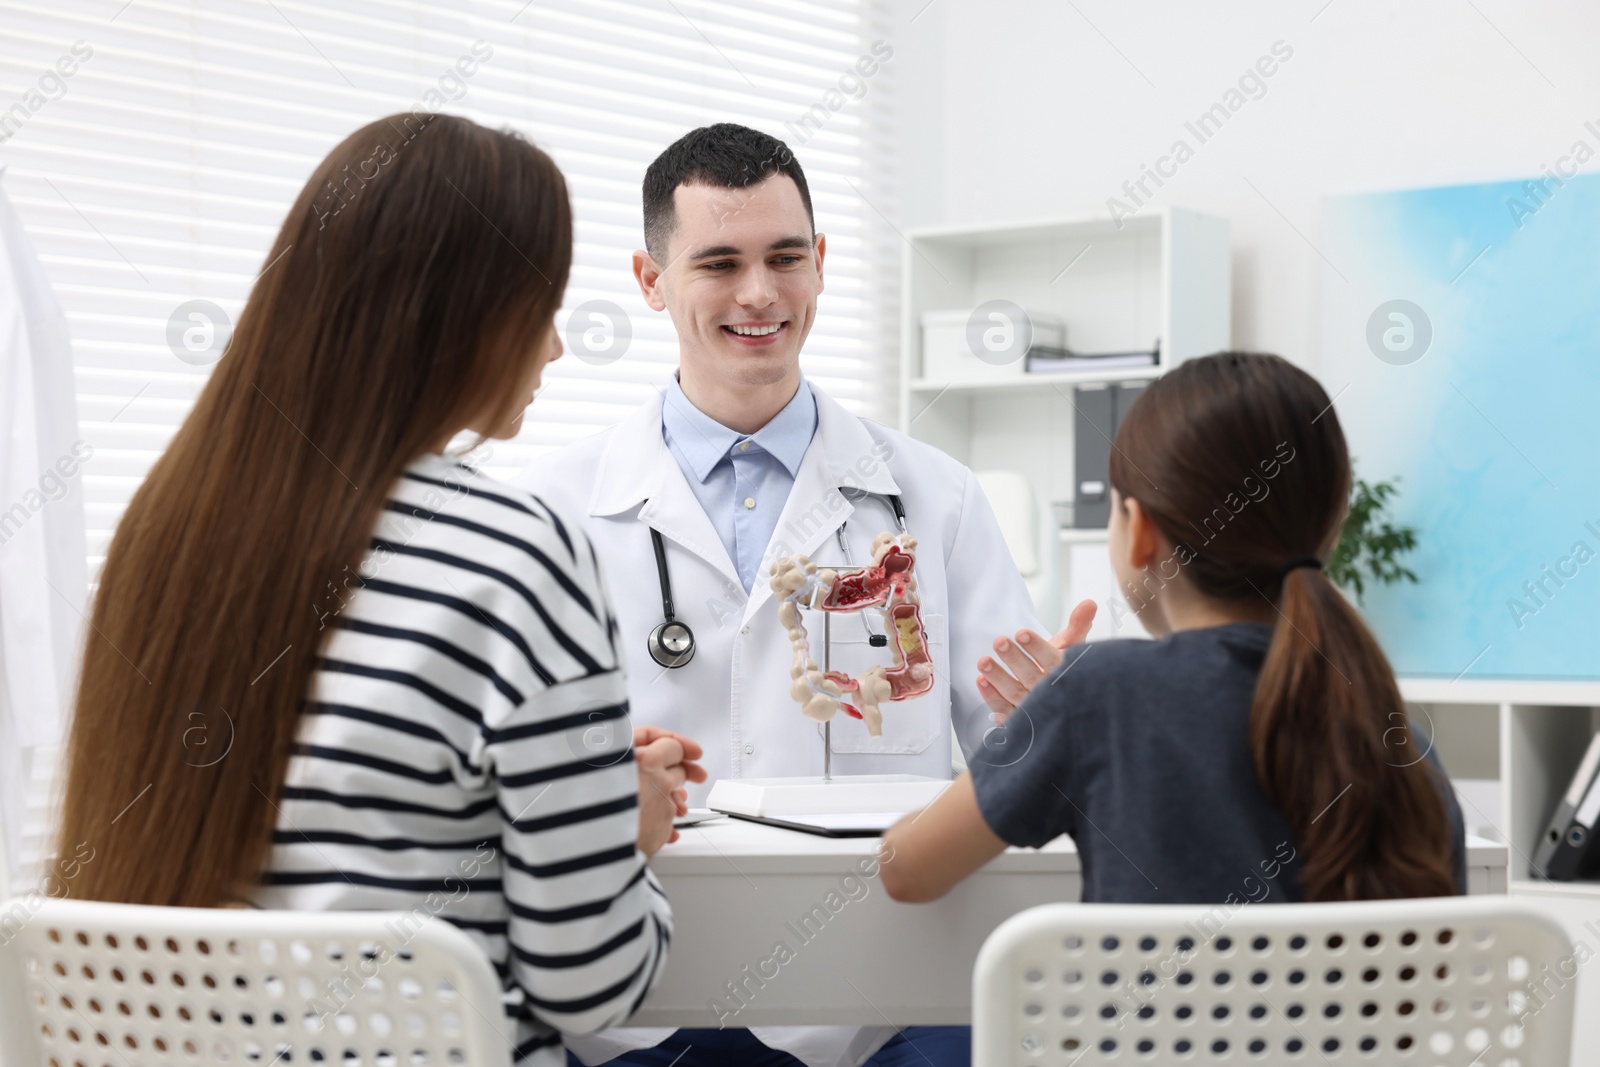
{"x":331,"y":666}
{"x":1258,"y":749}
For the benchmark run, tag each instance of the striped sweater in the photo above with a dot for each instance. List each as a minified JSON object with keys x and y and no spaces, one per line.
{"x":465,"y":751}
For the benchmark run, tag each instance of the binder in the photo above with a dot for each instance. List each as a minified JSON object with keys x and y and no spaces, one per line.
{"x":1122,"y":397}
{"x":1100,"y":410}
{"x":1092,"y":431}
{"x":1566,"y":851}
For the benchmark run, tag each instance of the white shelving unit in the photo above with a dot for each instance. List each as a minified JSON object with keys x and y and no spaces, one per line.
{"x":1164,"y":275}
{"x":1525,"y":738}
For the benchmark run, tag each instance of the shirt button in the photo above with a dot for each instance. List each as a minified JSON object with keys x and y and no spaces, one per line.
{"x":744,"y":446}
{"x":744,"y":631}
{"x":749,"y":749}
{"x":749,"y":502}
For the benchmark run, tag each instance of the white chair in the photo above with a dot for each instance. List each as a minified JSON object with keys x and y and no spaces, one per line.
{"x":1483,"y":981}
{"x":114,"y":985}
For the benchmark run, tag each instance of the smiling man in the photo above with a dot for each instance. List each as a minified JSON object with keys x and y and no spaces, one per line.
{"x":741,"y":460}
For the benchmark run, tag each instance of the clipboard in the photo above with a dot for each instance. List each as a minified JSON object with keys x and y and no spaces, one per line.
{"x":695,"y":817}
{"x":852,"y":824}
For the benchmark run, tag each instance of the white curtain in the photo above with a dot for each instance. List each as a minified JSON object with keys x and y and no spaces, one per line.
{"x":42,"y":555}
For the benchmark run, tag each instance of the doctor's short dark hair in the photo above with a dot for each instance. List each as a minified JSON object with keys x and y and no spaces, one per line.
{"x":725,"y":154}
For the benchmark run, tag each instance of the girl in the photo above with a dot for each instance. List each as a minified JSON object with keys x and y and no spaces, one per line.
{"x":1258,"y":747}
{"x":332,"y":666}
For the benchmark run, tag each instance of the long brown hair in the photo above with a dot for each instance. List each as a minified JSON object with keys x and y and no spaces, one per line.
{"x":402,"y":300}
{"x":1239,"y":460}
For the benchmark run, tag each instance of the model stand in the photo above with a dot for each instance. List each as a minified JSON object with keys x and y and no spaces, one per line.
{"x":888,"y":584}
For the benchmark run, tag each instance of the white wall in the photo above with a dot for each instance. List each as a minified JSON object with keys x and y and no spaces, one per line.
{"x":1014,"y":109}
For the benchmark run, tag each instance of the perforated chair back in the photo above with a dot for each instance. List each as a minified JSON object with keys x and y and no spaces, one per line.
{"x":1483,"y":981}
{"x":114,"y":985}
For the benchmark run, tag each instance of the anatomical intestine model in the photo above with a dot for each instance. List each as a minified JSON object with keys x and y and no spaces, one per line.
{"x":890,"y":585}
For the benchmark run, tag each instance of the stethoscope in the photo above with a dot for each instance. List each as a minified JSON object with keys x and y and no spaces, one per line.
{"x":671,"y":643}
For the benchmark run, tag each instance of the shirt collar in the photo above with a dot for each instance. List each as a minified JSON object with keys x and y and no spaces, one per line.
{"x":703,"y":441}
{"x":789,"y":433}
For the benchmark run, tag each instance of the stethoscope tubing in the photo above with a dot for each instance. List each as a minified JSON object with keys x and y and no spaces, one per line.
{"x":670,"y":632}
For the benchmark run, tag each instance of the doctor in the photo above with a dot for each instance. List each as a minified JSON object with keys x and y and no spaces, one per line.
{"x":739,"y":461}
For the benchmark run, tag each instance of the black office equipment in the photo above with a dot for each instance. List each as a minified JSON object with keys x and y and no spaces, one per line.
{"x":1567,"y":851}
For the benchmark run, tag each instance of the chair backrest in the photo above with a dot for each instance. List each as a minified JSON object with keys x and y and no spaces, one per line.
{"x":108,"y":985}
{"x":1482,"y":980}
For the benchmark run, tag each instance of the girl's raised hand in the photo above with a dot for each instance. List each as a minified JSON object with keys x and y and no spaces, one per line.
{"x":1027,"y":658}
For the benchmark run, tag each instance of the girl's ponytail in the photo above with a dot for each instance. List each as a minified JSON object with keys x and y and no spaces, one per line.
{"x":1333,"y":751}
{"x":1239,"y":461}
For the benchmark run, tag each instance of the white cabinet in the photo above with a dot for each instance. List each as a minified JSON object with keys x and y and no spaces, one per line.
{"x":1511,"y":748}
{"x":1165,"y":275}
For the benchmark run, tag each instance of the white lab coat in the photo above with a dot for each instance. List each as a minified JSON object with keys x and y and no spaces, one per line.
{"x":41,"y":536}
{"x":734,"y":696}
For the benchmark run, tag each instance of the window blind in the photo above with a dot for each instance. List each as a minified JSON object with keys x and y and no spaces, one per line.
{"x":152,"y":148}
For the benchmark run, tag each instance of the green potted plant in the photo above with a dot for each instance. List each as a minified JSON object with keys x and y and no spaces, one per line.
{"x":1370,"y":545}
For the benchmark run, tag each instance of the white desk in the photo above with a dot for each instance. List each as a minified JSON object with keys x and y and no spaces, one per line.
{"x":739,"y":888}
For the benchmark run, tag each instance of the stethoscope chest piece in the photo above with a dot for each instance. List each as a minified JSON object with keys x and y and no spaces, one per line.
{"x":671,"y":644}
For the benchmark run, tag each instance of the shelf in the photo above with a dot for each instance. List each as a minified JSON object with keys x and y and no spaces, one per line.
{"x":1420,"y":690}
{"x":1029,"y":382}
{"x":1542,"y":888}
{"x":1071,"y":535}
{"x":1033,"y":231}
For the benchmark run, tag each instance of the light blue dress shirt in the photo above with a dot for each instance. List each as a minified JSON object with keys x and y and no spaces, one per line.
{"x":741,"y":481}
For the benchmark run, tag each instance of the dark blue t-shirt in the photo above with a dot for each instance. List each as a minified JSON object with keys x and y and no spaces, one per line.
{"x":1140,"y":750}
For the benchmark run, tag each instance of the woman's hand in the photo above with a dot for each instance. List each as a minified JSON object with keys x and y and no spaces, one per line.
{"x":665,"y":761}
{"x":1026,"y":659}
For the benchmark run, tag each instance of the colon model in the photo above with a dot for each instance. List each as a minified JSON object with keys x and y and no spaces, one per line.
{"x":890,"y":585}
